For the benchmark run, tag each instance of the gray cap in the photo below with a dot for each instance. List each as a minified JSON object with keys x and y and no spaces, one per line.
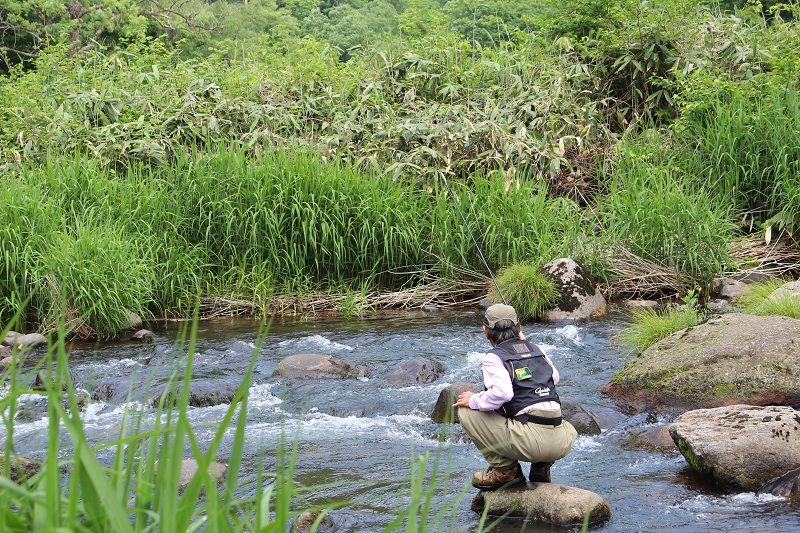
{"x":498,"y":312}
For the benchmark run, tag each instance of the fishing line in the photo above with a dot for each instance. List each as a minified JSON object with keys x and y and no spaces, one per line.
{"x":474,"y":241}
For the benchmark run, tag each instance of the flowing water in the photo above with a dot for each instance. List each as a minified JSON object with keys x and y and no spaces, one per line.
{"x":358,"y":437}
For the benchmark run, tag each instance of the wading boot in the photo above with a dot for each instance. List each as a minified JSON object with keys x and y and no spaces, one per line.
{"x":540,"y":473}
{"x":495,"y":478}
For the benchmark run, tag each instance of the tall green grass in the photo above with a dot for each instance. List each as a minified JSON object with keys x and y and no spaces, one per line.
{"x":741,"y":146}
{"x":648,"y":326}
{"x":525,"y":287}
{"x":661,"y":214}
{"x":99,"y":242}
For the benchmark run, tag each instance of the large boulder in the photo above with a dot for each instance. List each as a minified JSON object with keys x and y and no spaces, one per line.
{"x":317,"y":366}
{"x":416,"y":371}
{"x":740,"y":446}
{"x":734,"y":358}
{"x":579,"y":298}
{"x":544,"y":503}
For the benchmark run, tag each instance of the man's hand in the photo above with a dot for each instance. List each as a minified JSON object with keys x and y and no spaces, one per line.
{"x":463,"y":399}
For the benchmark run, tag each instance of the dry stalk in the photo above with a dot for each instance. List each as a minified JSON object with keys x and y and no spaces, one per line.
{"x":639,"y":276}
{"x":424,"y":288}
{"x":776,"y":259}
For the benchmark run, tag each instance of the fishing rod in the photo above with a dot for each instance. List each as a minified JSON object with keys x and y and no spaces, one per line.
{"x":477,"y":247}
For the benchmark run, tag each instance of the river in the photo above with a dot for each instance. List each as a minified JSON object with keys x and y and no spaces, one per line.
{"x":358,"y":437}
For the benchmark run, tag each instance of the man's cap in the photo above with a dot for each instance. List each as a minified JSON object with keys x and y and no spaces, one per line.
{"x":498,"y":312}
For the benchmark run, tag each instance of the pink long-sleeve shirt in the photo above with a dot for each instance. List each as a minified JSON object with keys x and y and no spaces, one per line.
{"x":499,"y":390}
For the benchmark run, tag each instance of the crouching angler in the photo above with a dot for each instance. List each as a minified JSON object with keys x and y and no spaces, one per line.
{"x":518,"y":415}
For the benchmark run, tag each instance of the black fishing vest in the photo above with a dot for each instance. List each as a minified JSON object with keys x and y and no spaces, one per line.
{"x":531,"y":375}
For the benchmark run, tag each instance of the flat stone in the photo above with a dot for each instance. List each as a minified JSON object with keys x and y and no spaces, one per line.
{"x":17,"y":339}
{"x":740,"y":446}
{"x":317,"y":366}
{"x":544,"y":503}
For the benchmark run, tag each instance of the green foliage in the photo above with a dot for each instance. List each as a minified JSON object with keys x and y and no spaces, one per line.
{"x":743,"y":145}
{"x":489,"y":22}
{"x":768,"y":299}
{"x":648,"y":326}
{"x":512,"y":221}
{"x":529,"y":290}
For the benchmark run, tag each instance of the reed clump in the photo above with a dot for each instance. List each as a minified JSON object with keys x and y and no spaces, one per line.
{"x":527,"y":288}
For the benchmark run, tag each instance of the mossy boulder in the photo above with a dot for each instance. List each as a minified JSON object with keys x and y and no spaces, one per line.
{"x":731,"y":359}
{"x":579,"y":298}
{"x":544,"y":503}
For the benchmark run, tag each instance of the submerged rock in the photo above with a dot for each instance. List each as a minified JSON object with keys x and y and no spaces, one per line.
{"x":579,"y":298}
{"x":544,"y":503}
{"x":740,"y":446}
{"x":202,"y":393}
{"x":305,"y":522}
{"x":655,"y":440}
{"x":415,"y":371}
{"x":143,"y":335}
{"x":734,"y":358}
{"x":317,"y":366}
{"x":786,"y":485}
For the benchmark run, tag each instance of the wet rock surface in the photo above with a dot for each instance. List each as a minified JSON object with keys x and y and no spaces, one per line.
{"x":656,"y":440}
{"x":734,"y":358}
{"x":305,"y":521}
{"x":21,"y":468}
{"x":415,"y":371}
{"x":740,"y":446}
{"x":582,"y":420}
{"x":443,"y":409}
{"x":317,"y":366}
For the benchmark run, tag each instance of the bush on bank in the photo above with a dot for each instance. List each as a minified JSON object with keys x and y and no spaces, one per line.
{"x":94,"y":243}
